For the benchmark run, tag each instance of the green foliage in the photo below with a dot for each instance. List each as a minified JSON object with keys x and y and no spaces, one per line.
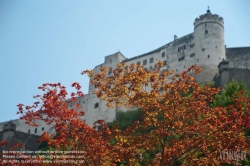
{"x":125,"y":119}
{"x":226,"y":97}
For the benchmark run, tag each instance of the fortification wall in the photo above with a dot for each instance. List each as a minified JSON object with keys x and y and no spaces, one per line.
{"x":238,"y":57}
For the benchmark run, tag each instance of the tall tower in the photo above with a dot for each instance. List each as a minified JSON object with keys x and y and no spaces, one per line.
{"x":209,"y":44}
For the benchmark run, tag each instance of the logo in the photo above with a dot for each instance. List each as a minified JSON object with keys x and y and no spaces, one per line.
{"x":230,"y":155}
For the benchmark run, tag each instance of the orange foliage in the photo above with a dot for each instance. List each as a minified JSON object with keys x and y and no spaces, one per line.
{"x":178,"y":124}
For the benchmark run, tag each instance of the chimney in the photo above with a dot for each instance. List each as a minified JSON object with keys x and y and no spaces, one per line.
{"x":175,"y":37}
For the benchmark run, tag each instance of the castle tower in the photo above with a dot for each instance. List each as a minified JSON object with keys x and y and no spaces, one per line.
{"x":209,"y":44}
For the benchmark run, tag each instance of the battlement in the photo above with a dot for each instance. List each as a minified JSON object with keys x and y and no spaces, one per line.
{"x":208,"y":17}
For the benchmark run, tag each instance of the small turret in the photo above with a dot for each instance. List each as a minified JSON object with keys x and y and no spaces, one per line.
{"x":223,"y":66}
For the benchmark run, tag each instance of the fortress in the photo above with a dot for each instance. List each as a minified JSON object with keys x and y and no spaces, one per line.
{"x":204,"y":47}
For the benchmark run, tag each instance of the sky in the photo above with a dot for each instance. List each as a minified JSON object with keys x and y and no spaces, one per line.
{"x":45,"y":41}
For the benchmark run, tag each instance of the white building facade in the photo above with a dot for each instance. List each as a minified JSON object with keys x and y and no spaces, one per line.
{"x":204,"y":47}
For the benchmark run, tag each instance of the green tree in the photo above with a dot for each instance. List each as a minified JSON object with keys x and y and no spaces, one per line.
{"x":229,"y":93}
{"x":125,"y":119}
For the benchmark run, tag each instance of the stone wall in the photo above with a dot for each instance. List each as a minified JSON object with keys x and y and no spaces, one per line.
{"x":238,"y":57}
{"x":28,"y":140}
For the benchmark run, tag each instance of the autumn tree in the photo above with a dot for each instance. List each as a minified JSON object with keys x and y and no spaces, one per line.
{"x":179,"y":129}
{"x":72,"y":134}
{"x":177,"y":124}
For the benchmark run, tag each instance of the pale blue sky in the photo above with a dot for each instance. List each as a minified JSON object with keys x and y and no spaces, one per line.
{"x":54,"y":40}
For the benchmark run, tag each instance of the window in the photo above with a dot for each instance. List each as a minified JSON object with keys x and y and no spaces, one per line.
{"x":165,"y":63}
{"x":96,"y":105}
{"x":206,"y":31}
{"x":180,"y":49}
{"x":110,"y":71}
{"x":110,"y":61}
{"x":181,"y":58}
{"x":192,"y":55}
{"x":203,"y":49}
{"x":184,"y":66}
{"x":197,"y":60}
{"x":29,"y":131}
{"x":151,"y":60}
{"x":138,"y":63}
{"x":205,"y":25}
{"x":192,"y":45}
{"x":208,"y":56}
{"x":35,"y":130}
{"x":163,"y":54}
{"x":42,"y":128}
{"x":145,"y":62}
